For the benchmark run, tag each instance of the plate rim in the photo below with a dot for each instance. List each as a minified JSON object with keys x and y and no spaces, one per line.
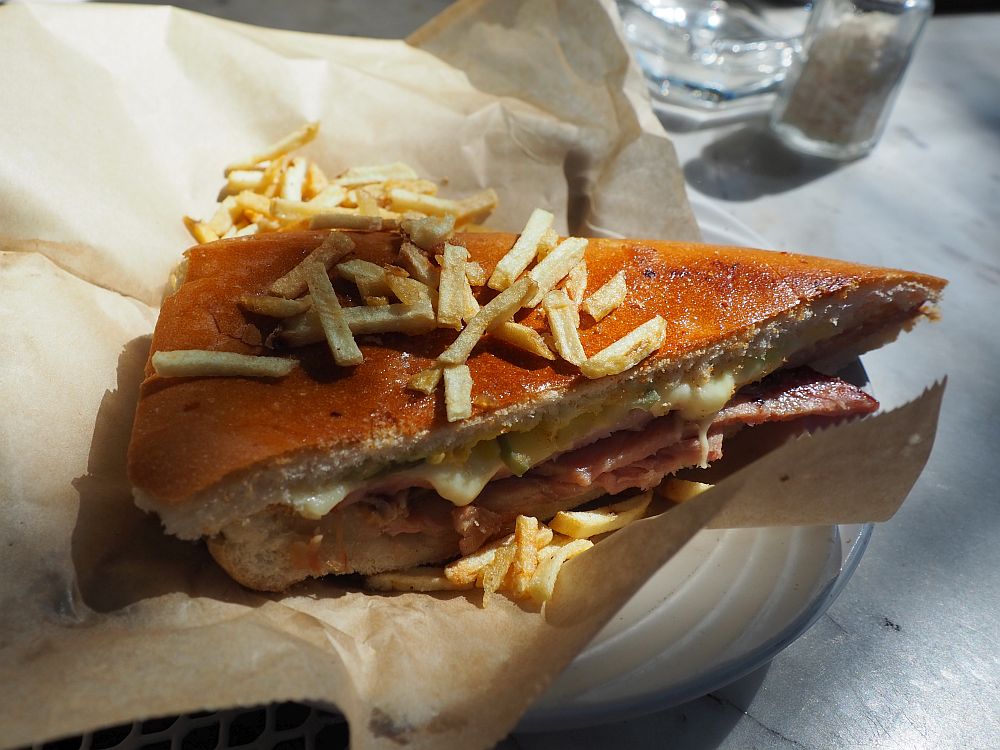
{"x":571,"y":716}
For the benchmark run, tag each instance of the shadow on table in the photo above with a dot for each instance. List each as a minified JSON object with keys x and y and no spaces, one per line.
{"x":701,"y":724}
{"x":751,"y":162}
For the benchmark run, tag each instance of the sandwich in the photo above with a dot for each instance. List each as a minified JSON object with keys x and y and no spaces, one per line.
{"x":341,"y":462}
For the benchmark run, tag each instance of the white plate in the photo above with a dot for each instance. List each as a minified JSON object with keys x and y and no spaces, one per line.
{"x":724,"y":606}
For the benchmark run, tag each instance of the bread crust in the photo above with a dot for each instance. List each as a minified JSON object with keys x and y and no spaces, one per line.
{"x":192,"y":433}
{"x":277,"y":548}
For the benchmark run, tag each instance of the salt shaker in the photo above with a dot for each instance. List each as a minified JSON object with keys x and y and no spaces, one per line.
{"x":838,"y":94}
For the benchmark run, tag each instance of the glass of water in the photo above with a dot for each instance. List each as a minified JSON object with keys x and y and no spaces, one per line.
{"x":706,"y":54}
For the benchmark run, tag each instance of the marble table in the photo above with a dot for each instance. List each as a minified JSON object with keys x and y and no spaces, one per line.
{"x":909,"y":655}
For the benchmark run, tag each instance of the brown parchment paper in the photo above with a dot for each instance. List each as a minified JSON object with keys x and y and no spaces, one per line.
{"x":117,"y":121}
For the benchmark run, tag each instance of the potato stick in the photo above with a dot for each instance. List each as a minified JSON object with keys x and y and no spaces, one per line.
{"x":338,"y":336}
{"x":251,"y":201}
{"x":390,"y":220}
{"x":563,"y":321}
{"x":330,"y":196}
{"x":367,"y":203}
{"x":499,"y":309}
{"x":457,"y":392}
{"x":523,"y":337}
{"x":425,"y":381}
{"x":607,"y":298}
{"x":271,"y":178}
{"x":356,"y":176}
{"x":495,"y":571}
{"x":201,"y":232}
{"x":548,"y":243}
{"x":576,"y":284}
{"x":276,"y":171}
{"x":408,"y":291}
{"x":525,"y":554}
{"x":681,"y":490}
{"x":557,"y":541}
{"x":292,"y":210}
{"x":406,"y":200}
{"x":290,"y":142}
{"x":293,"y":225}
{"x":266,"y":223}
{"x":582,"y":524}
{"x":472,"y":305}
{"x":190,"y":363}
{"x":368,"y":277}
{"x":344,"y":220}
{"x":316,"y":181}
{"x":413,"y":579}
{"x":301,"y":330}
{"x":475,"y":208}
{"x":543,"y":537}
{"x":419,"y":265}
{"x":274,"y":307}
{"x":294,"y":179}
{"x":556,"y":265}
{"x":222,"y":221}
{"x":376,"y":301}
{"x":452,"y":300}
{"x":351,"y":199}
{"x":430,"y":231}
{"x":468,"y":568}
{"x":628,"y":351}
{"x":375,"y":190}
{"x":248,"y":230}
{"x":409,"y":319}
{"x":334,"y":247}
{"x":543,"y":582}
{"x":519,"y":257}
{"x":475,"y":273}
{"x":243,"y":179}
{"x":417,"y":186}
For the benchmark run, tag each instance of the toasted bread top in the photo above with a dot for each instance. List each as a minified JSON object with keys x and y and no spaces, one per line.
{"x":190,"y":433}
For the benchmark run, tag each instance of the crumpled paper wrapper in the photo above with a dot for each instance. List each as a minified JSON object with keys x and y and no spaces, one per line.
{"x":123,"y":118}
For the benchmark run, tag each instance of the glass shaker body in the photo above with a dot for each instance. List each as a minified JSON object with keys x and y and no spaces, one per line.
{"x":837,"y":97}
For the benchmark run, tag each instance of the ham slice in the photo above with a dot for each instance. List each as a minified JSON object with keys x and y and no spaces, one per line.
{"x":638,"y":456}
{"x":792,"y":394}
{"x":641,"y":458}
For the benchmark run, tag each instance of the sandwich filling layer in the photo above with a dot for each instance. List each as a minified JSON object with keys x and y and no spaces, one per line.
{"x":332,"y":468}
{"x":634,"y":447}
{"x":462,"y":474}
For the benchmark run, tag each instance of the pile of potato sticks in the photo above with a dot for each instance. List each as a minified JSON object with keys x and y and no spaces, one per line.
{"x":273,"y":191}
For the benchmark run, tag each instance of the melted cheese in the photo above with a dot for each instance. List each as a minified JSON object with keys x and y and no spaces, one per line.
{"x":460,"y":478}
{"x":457,"y":479}
{"x":699,"y":402}
{"x":317,"y":504}
{"x":703,"y":442}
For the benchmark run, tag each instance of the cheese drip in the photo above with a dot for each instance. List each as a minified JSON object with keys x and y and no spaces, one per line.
{"x":458,"y":479}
